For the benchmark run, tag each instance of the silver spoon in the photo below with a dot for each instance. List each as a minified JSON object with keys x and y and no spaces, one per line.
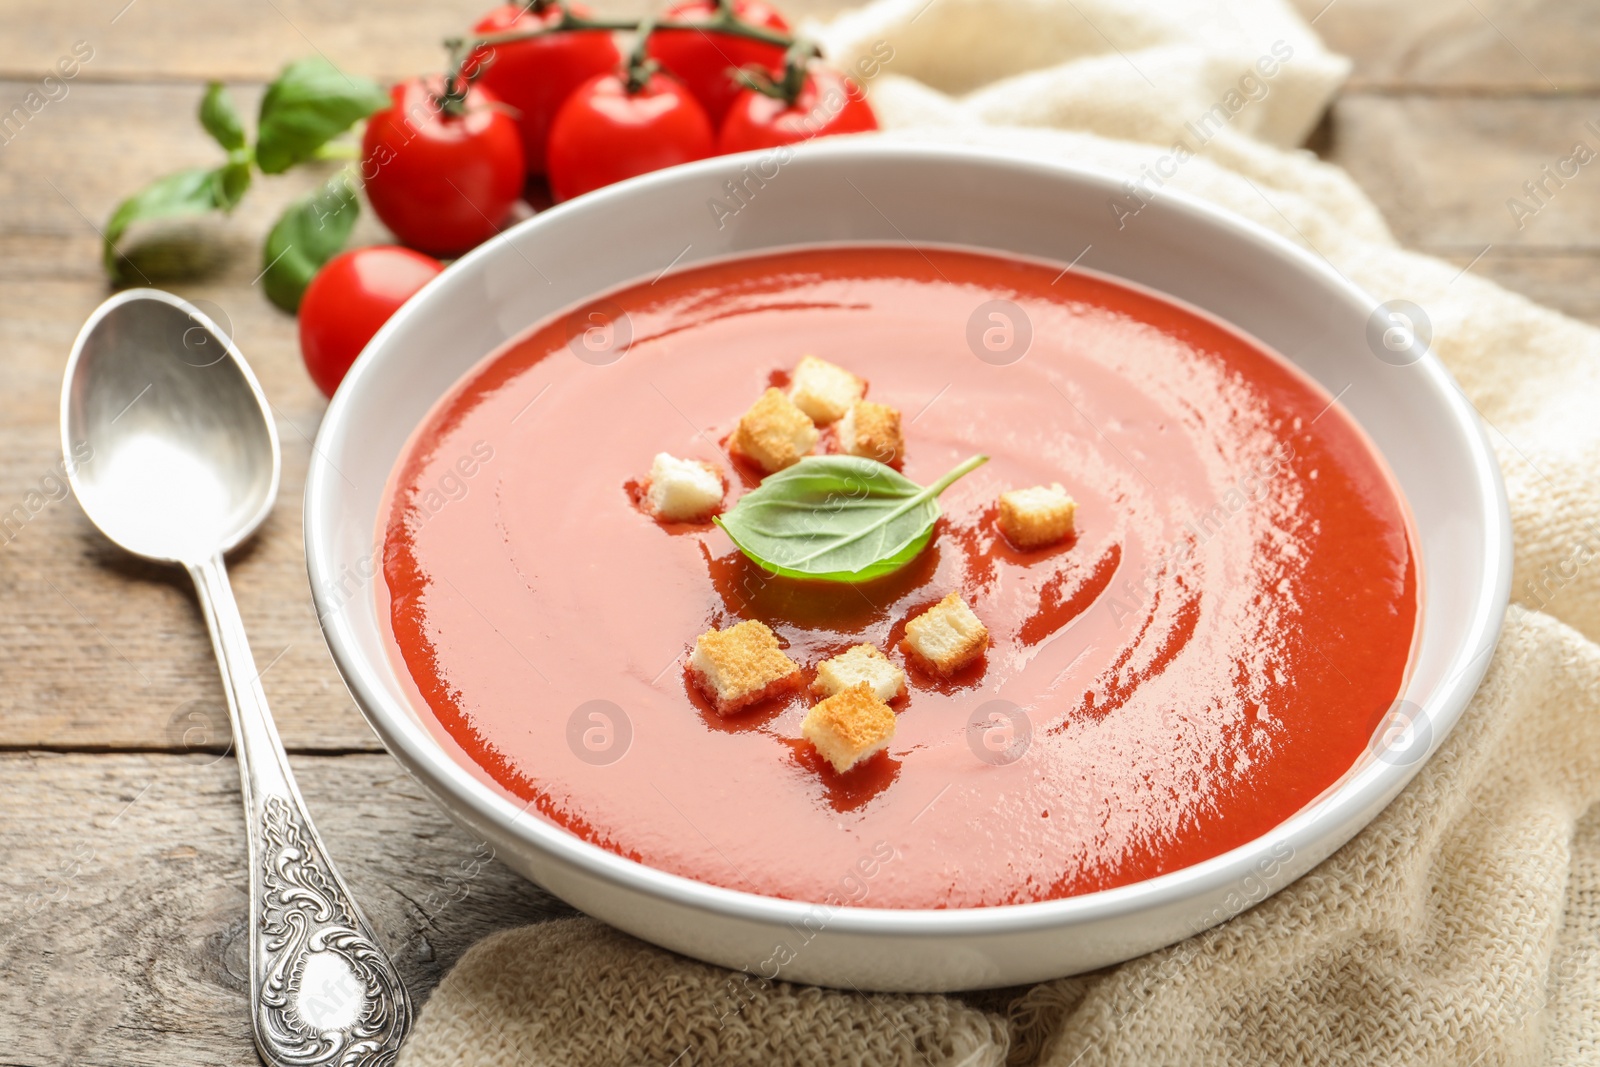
{"x":173,"y":455}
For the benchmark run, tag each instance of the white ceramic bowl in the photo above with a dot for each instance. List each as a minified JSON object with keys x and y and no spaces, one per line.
{"x":875,"y":192}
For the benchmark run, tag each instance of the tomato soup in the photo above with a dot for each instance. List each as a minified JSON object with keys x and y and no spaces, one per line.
{"x":1210,"y":652}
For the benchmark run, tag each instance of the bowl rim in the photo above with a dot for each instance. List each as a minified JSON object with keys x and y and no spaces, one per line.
{"x":1363,"y":787}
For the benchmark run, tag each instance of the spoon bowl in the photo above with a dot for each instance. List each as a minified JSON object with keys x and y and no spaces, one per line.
{"x":173,"y":452}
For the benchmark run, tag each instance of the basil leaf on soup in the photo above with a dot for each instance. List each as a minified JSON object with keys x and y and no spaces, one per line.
{"x":838,"y":518}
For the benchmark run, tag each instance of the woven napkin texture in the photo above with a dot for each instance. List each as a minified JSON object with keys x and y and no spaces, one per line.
{"x":1463,"y":925}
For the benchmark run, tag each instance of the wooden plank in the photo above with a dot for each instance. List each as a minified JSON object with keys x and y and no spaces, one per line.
{"x":196,"y":40}
{"x":1476,"y":47}
{"x":1443,"y":170}
{"x":124,"y":896}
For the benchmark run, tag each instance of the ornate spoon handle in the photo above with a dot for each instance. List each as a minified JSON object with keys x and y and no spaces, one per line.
{"x":322,"y":990}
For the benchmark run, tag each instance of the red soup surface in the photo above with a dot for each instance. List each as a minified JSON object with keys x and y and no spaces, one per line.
{"x":1209,"y":654}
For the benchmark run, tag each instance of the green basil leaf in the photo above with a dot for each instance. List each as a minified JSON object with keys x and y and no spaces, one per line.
{"x":231,"y":180}
{"x":838,"y":518}
{"x":311,"y":102}
{"x":221,"y":120}
{"x":311,"y":231}
{"x":188,"y":192}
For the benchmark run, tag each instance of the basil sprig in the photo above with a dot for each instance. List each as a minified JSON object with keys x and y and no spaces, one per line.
{"x":309,"y":104}
{"x":838,"y":518}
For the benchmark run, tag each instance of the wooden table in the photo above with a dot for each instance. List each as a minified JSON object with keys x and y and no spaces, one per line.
{"x":122,"y":875}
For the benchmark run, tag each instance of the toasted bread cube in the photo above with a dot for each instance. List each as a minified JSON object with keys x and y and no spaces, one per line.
{"x":947,"y":636}
{"x":774,"y":434}
{"x":849,"y":726}
{"x":862,"y":664}
{"x":1033,"y":518}
{"x":682,"y":490}
{"x":741,"y":666}
{"x":872,"y":430}
{"x":824,"y":391}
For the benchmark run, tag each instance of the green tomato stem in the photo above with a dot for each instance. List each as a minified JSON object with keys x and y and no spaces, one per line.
{"x":795,"y":62}
{"x":339,"y":152}
{"x":722,"y":22}
{"x":640,"y":65}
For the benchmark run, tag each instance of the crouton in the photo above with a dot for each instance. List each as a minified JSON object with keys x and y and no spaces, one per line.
{"x":682,"y":490}
{"x":824,"y":391}
{"x":858,"y":665}
{"x":849,"y":727}
{"x":741,"y":666}
{"x":1033,"y":518}
{"x":947,"y":636}
{"x":774,"y":434}
{"x":872,"y":430}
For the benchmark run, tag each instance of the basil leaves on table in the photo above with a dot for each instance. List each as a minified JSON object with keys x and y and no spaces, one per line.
{"x":838,"y":518}
{"x":308,"y":105}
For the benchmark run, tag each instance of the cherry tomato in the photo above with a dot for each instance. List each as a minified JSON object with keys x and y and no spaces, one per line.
{"x":828,"y":102}
{"x":352,"y":295}
{"x":605,"y":133}
{"x":537,"y":75}
{"x":702,"y":61}
{"x":443,"y":177}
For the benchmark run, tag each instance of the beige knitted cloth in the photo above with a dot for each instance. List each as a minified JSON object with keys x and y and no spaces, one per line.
{"x":1463,"y":926}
